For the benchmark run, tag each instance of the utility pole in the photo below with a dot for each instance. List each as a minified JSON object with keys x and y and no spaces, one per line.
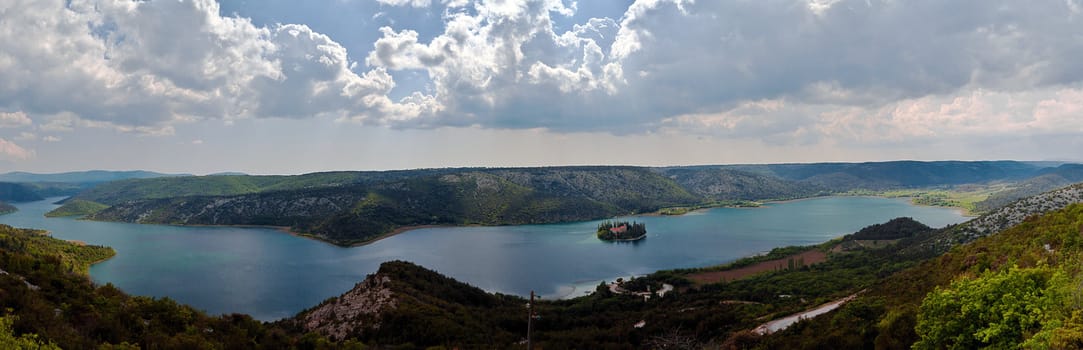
{"x":530,"y":322}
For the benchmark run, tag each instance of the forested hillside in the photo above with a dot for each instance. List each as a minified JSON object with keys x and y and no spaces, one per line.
{"x":1002,"y":290}
{"x":720,"y":184}
{"x":348,"y":214}
{"x":14,"y":192}
{"x":897,"y":174}
{"x":357,"y":207}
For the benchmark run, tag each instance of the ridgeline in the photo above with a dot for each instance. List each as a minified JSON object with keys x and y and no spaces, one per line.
{"x":349,"y":208}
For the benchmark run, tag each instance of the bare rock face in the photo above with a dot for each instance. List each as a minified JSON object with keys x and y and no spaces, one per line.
{"x":349,"y":314}
{"x":1014,"y":214}
{"x":1006,"y":217}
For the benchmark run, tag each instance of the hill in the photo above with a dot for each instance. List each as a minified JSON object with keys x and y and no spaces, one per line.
{"x":356,"y":213}
{"x":1047,"y":180}
{"x":1022,"y":269}
{"x":721,"y":184}
{"x":14,"y":192}
{"x":356,"y":207}
{"x":897,"y":228}
{"x":896,"y":174}
{"x":77,"y":207}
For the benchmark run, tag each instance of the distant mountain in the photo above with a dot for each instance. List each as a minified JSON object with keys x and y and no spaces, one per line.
{"x":896,"y":174}
{"x":723,"y":184}
{"x":92,"y":176}
{"x":1048,"y":179}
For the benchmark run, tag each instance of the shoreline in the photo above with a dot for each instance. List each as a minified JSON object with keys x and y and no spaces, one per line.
{"x":625,"y":240}
{"x":657,"y":213}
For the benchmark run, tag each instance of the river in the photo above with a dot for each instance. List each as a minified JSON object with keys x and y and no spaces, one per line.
{"x":270,"y":274}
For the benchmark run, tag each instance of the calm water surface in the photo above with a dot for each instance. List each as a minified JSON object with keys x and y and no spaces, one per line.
{"x":271,"y":274}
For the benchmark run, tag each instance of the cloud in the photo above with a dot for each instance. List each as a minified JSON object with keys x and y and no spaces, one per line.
{"x":786,"y":72}
{"x":51,"y":138}
{"x":669,"y":62}
{"x":411,"y":3}
{"x":14,"y":119}
{"x":11,"y":151}
{"x":23,"y":136}
{"x":142,"y":66}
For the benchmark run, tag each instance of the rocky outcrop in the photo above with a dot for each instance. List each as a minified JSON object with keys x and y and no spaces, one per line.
{"x":1005,"y":217}
{"x":1014,"y":214}
{"x":353,"y":312}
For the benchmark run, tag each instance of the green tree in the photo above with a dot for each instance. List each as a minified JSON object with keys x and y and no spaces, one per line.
{"x":1000,"y":310}
{"x":8,"y":340}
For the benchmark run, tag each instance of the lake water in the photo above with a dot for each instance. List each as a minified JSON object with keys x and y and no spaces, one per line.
{"x":270,"y":274}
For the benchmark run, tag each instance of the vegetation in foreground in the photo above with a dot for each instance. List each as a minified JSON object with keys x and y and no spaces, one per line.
{"x":1018,"y":288}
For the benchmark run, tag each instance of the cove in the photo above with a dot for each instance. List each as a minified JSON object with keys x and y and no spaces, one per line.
{"x":270,"y":274}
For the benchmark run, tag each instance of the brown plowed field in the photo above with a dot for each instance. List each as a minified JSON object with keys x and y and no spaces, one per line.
{"x":810,"y":257}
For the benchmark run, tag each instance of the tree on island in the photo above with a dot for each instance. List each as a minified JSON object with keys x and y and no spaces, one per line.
{"x":621,"y":231}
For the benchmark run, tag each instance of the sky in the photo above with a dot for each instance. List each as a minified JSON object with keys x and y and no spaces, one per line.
{"x":289,"y":87}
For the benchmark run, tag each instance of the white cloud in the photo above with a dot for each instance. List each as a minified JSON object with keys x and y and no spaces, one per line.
{"x":795,"y":71}
{"x":51,"y":138}
{"x":14,"y":119}
{"x":141,"y":66}
{"x":965,"y":115}
{"x":411,"y":3}
{"x":11,"y":151}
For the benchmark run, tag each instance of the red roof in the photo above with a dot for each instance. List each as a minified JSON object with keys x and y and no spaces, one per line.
{"x":619,"y":229}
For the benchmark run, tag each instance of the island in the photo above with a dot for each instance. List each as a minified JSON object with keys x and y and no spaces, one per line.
{"x":621,"y":231}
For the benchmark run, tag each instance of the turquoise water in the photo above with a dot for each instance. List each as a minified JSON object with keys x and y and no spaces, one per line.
{"x":270,"y":274}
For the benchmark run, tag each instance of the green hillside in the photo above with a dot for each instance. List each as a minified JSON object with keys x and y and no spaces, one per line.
{"x":350,"y":214}
{"x":357,"y":207}
{"x":77,"y":207}
{"x":1014,"y":288}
